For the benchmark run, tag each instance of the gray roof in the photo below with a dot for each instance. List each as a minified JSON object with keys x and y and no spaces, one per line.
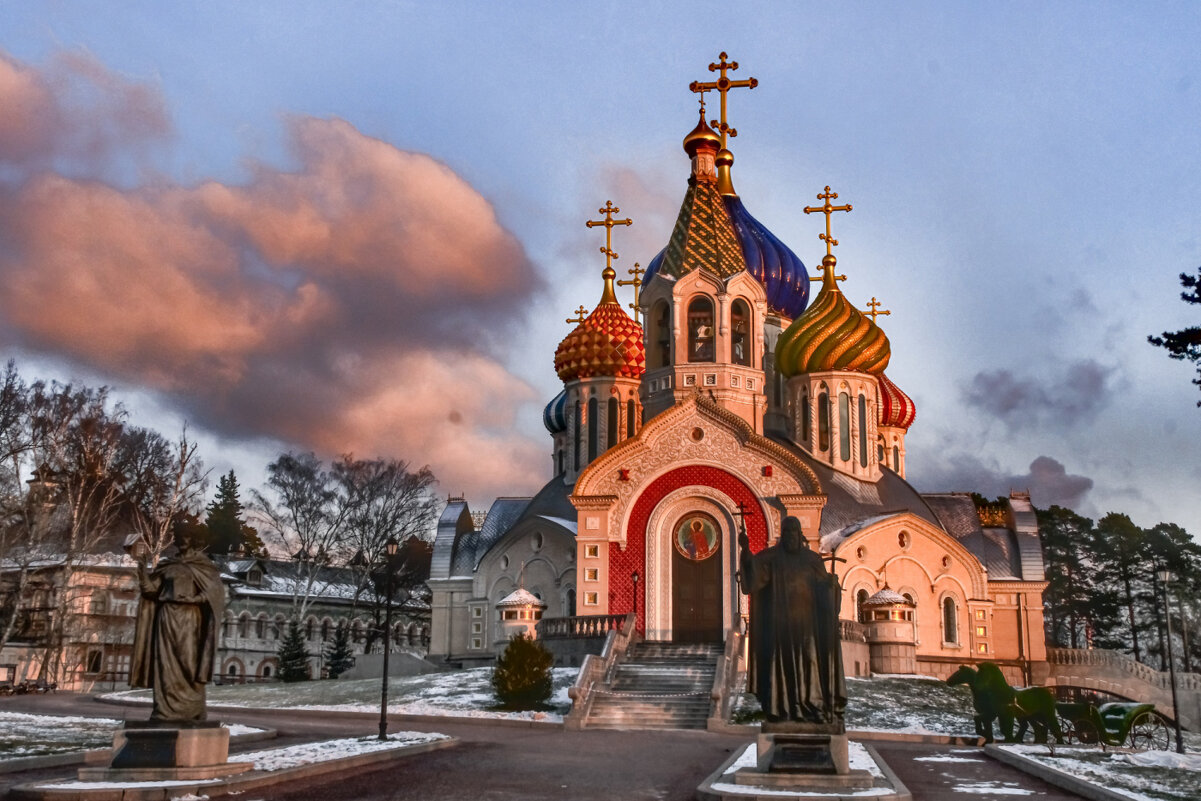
{"x":503,"y":513}
{"x":455,"y":520}
{"x":1007,"y":554}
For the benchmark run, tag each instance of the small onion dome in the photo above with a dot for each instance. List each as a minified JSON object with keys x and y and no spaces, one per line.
{"x":888,"y":597}
{"x":896,"y":408}
{"x":701,"y":136}
{"x":554,"y":416}
{"x":608,"y":343}
{"x":784,"y":277}
{"x":832,"y":335}
{"x":522,"y":597}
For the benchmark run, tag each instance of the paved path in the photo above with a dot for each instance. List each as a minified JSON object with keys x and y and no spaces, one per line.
{"x":504,"y":763}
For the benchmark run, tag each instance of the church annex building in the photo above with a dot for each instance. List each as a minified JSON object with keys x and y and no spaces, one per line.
{"x":731,"y":399}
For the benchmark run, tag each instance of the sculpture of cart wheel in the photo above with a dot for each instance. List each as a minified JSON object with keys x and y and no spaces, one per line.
{"x":1149,"y":732}
{"x":1082,"y":731}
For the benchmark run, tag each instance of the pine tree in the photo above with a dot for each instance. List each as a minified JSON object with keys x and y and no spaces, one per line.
{"x":1185,"y":344}
{"x":522,"y":678}
{"x":227,"y":530}
{"x":293,"y":655}
{"x":339,"y":654}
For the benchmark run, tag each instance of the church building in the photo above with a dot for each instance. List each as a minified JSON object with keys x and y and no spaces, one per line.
{"x":737,"y":401}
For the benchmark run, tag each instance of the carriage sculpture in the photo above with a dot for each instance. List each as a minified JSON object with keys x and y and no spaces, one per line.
{"x":1115,"y":724}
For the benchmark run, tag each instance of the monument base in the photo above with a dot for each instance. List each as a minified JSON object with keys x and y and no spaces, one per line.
{"x":145,"y":752}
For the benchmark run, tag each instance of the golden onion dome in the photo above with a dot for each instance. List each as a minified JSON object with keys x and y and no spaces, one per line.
{"x":607,"y":343}
{"x":832,"y":335}
{"x":701,"y":136}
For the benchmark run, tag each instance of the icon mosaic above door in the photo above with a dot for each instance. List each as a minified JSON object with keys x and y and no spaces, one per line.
{"x":696,"y":537}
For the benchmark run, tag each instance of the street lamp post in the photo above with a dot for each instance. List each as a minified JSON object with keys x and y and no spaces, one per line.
{"x":389,"y":552}
{"x":634,"y":578}
{"x":1165,"y":576}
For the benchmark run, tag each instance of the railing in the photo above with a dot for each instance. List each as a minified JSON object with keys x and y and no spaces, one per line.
{"x":724,"y":679}
{"x":1101,"y":657}
{"x":598,"y":668}
{"x":578,"y":627}
{"x":852,"y":631}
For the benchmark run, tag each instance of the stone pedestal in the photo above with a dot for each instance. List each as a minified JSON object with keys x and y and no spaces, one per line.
{"x":803,"y":756}
{"x":155,"y":752}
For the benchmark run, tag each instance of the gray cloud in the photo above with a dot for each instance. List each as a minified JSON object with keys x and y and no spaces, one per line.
{"x":1073,"y":397}
{"x":1047,"y":480}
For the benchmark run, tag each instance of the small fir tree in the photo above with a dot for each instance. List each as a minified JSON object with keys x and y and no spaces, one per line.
{"x":293,"y":656}
{"x":339,"y":654}
{"x":522,"y":678}
{"x":227,"y":530}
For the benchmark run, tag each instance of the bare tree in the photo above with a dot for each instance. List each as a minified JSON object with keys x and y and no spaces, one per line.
{"x":164,"y":481}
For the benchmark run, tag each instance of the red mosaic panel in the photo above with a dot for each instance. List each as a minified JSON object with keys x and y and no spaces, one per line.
{"x":623,"y":563}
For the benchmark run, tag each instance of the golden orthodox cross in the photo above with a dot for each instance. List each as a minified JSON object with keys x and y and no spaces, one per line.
{"x":635,"y":282}
{"x":609,"y":210}
{"x":827,"y":209}
{"x":741,"y":507}
{"x":580,"y":313}
{"x":875,"y":309}
{"x":723,"y":85}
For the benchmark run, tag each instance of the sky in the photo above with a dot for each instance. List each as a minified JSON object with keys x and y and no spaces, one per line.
{"x":359,"y":227}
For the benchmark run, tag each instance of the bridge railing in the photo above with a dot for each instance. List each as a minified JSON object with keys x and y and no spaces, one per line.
{"x":1101,"y":657}
{"x":578,"y":626}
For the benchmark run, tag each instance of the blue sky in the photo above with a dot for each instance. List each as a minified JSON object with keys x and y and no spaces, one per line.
{"x":1024,"y":177}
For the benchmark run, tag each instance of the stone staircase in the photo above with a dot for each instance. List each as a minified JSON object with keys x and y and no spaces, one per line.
{"x":659,"y":685}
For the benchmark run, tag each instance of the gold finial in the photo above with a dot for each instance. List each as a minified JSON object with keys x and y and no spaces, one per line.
{"x":635,"y":282}
{"x":609,"y":274}
{"x":875,"y":306}
{"x":827,"y":209}
{"x":580,"y":314}
{"x":723,"y":85}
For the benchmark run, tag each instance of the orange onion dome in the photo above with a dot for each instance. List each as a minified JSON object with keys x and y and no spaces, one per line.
{"x":608,"y":343}
{"x":832,"y":335}
{"x":896,"y":408}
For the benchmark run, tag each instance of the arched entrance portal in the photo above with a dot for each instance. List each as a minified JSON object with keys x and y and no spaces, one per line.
{"x":696,"y":586}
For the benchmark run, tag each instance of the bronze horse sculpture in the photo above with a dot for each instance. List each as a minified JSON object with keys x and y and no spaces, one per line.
{"x":1032,"y":707}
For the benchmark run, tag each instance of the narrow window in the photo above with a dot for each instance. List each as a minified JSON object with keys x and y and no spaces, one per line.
{"x":740,"y":339}
{"x":663,"y":335}
{"x":844,"y":426}
{"x":578,"y":434}
{"x":612,"y":434}
{"x":950,"y":625}
{"x":806,"y":423}
{"x":860,"y":598}
{"x":896,"y":459}
{"x":862,"y":431}
{"x":593,"y":429}
{"x":823,"y":421}
{"x":631,"y":411}
{"x":700,"y":330}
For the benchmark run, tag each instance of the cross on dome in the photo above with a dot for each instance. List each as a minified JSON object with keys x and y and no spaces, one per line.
{"x":580,"y":314}
{"x":827,"y":209}
{"x":635,"y":282}
{"x":723,"y":85}
{"x":875,"y":306}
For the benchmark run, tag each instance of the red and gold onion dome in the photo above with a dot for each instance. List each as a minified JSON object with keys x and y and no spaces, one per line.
{"x":606,"y":344}
{"x":896,"y":408}
{"x":832,"y":335}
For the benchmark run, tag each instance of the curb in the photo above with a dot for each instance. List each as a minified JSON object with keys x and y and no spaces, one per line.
{"x":101,"y":756}
{"x":752,"y":730}
{"x":1051,"y":775}
{"x":234,"y":785}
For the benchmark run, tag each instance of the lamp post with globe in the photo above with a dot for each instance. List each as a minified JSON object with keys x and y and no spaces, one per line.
{"x":1165,"y":576}
{"x":390,"y":548}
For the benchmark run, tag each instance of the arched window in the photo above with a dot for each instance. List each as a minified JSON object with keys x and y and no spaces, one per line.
{"x":823,"y":421}
{"x":593,"y":429}
{"x":612,"y":435}
{"x":631,"y":417}
{"x":896,"y":459}
{"x":260,"y":627}
{"x":662,"y":339}
{"x":806,"y":423}
{"x":880,"y":449}
{"x":740,"y":333}
{"x":862,"y":431}
{"x":578,"y":434}
{"x":700,"y":330}
{"x":950,"y":620}
{"x":244,"y":625}
{"x":559,"y":461}
{"x":844,"y":426}
{"x":266,"y":671}
{"x":570,"y":603}
{"x":326,"y":625}
{"x":860,"y":598}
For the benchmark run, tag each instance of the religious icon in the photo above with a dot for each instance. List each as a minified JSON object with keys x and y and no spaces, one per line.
{"x":696,"y":538}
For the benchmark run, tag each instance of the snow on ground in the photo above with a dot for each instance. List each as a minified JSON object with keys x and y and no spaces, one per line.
{"x":991,"y":788}
{"x":1140,"y":775}
{"x":857,"y":755}
{"x":946,"y":758}
{"x":466,"y":693}
{"x":26,"y":735}
{"x":295,"y":755}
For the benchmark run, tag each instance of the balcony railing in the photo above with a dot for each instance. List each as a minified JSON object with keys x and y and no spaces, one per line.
{"x":578,"y":627}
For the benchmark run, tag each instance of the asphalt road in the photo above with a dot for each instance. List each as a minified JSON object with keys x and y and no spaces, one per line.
{"x":504,"y":763}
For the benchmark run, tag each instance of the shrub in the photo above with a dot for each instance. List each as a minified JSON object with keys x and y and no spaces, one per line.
{"x":293,"y":656}
{"x":339,"y":654}
{"x":522,"y":678}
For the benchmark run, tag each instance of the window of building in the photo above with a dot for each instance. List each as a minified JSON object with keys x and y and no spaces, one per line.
{"x":477,"y":611}
{"x":979,"y":614}
{"x":266,"y":671}
{"x":862,"y":431}
{"x":806,"y":423}
{"x":662,"y":338}
{"x":95,"y":660}
{"x":740,"y":333}
{"x":631,"y":417}
{"x":896,"y":459}
{"x":508,"y":614}
{"x":700,"y":330}
{"x":477,"y":628}
{"x":950,"y":621}
{"x":591,"y":599}
{"x":578,"y":434}
{"x":309,"y":625}
{"x":981,"y":631}
{"x":592,"y":551}
{"x":860,"y":598}
{"x":982,"y":648}
{"x":844,"y":426}
{"x":232,"y":670}
{"x":823,"y":421}
{"x":571,"y":602}
{"x":593,"y":429}
{"x":477,"y":642}
{"x":592,"y":574}
{"x":611,"y":438}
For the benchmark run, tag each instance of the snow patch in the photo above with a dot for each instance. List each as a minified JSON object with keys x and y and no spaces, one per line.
{"x":991,"y":788}
{"x":308,"y":753}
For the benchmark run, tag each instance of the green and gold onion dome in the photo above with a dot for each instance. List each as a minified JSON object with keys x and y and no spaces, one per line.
{"x":832,"y":335}
{"x":607,"y":343}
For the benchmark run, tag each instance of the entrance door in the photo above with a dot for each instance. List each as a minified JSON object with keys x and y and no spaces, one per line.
{"x":696,"y":580}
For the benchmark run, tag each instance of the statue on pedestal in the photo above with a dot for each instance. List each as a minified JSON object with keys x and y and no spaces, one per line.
{"x":795,"y":665}
{"x":175,"y":642}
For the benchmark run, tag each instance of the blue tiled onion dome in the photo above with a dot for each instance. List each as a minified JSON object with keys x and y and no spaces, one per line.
{"x":770,"y":261}
{"x":554,"y":416}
